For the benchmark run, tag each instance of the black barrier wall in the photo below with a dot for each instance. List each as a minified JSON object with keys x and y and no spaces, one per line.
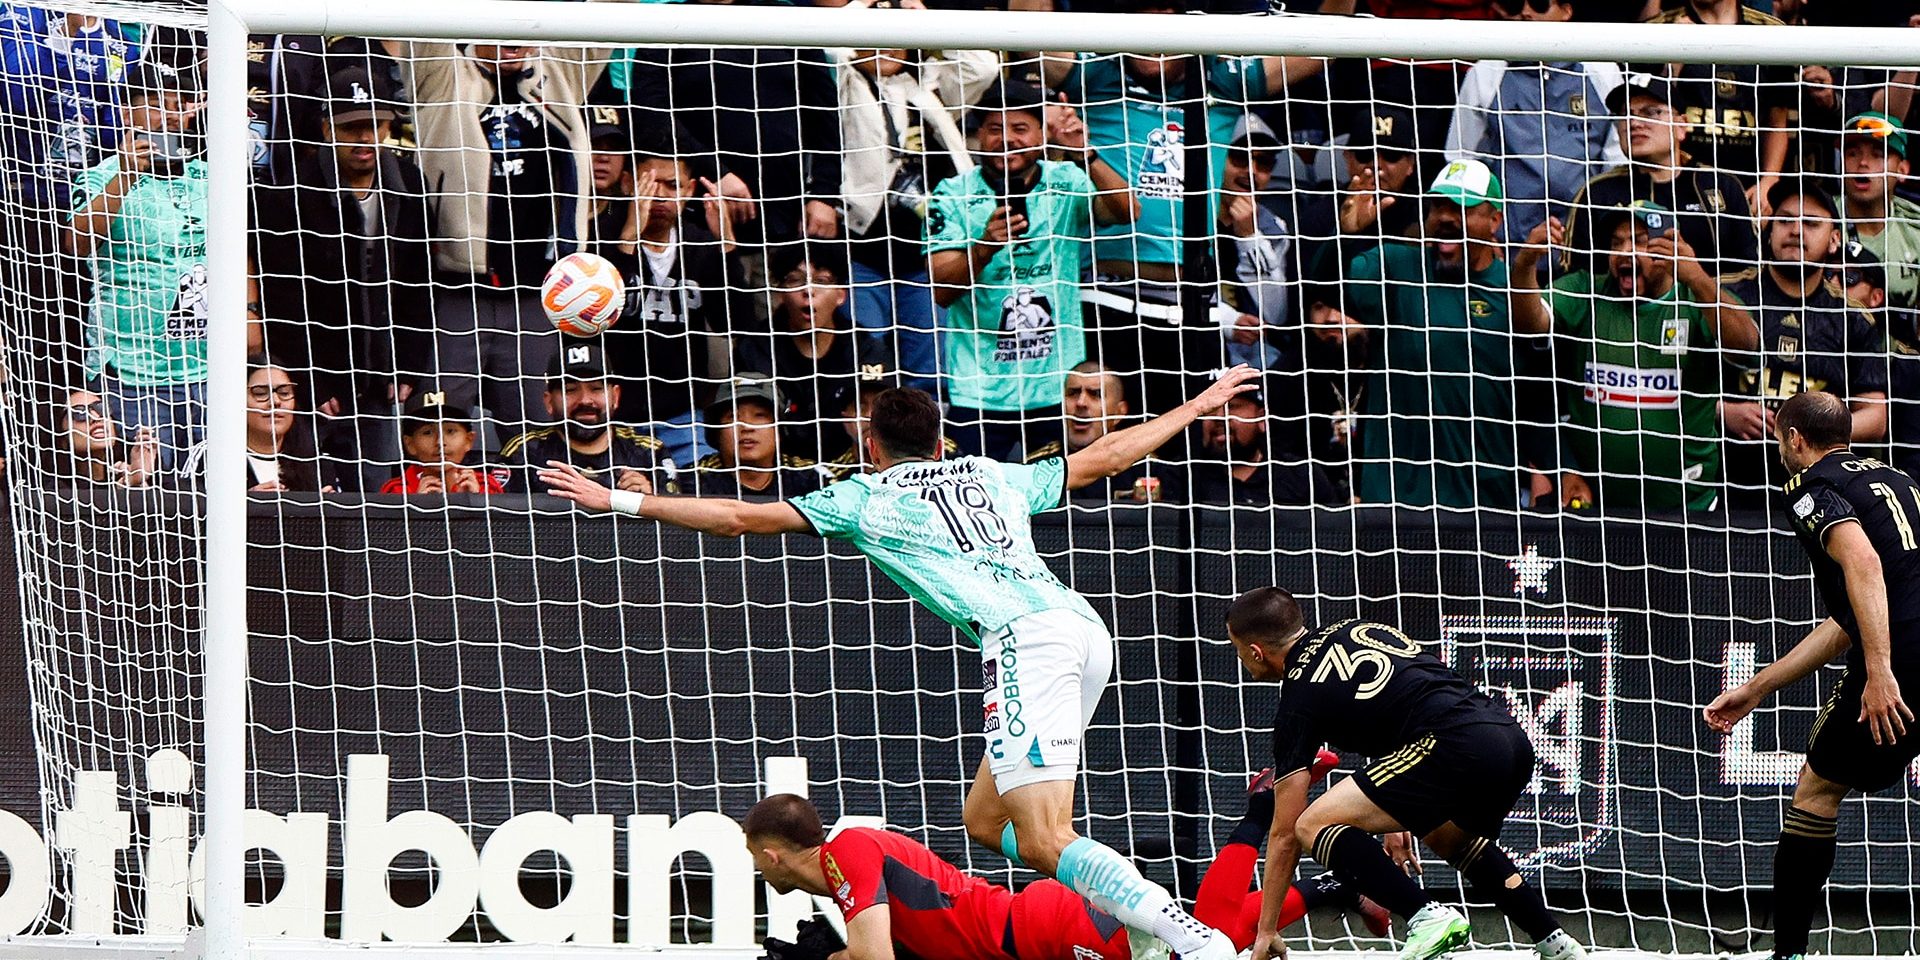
{"x":510,"y":661}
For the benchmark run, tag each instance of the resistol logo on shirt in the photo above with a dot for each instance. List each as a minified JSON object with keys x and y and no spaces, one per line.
{"x":1613,"y":385}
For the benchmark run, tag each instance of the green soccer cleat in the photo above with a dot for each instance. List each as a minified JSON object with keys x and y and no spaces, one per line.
{"x":1435,"y":931}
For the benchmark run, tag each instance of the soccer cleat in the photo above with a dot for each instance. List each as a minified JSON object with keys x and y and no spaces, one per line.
{"x":1146,"y":946}
{"x":1434,"y":931}
{"x":1323,"y":764}
{"x":1261,"y":782}
{"x":1559,"y":946}
{"x":1378,"y":919}
{"x":1219,"y":947}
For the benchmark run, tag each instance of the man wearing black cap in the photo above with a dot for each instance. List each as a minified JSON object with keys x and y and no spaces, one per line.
{"x":345,"y":270}
{"x":1709,"y":207}
{"x":581,"y":399}
{"x":612,"y":171}
{"x":1811,"y":338}
{"x":743,"y":426}
{"x":1004,"y":247}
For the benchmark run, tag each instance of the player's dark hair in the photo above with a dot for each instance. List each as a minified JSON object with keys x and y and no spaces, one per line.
{"x":906,"y":422}
{"x":1820,"y":417}
{"x":1094,"y":368}
{"x":1265,"y":615}
{"x":786,"y":817}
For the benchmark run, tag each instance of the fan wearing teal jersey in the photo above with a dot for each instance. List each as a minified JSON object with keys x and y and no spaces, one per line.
{"x":956,"y":535}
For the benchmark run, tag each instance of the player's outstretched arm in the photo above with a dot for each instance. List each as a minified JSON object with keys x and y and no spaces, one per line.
{"x":869,"y":935}
{"x":1283,"y":855}
{"x":718,"y":516}
{"x":1825,"y":642}
{"x":1121,"y":449}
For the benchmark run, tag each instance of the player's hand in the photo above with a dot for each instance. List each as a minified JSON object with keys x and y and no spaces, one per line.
{"x":1241,"y":379}
{"x":1882,"y":710}
{"x":1004,"y":226}
{"x":635,"y":481}
{"x":1403,"y":853}
{"x":1269,"y":946}
{"x":1728,"y":708}
{"x":568,"y":483}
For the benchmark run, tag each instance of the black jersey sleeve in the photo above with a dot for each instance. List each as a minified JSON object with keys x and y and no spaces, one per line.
{"x":1296,"y":738}
{"x":1817,"y":509}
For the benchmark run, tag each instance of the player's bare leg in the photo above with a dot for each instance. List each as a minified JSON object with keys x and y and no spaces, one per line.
{"x":989,"y":822}
{"x":1339,"y":828}
{"x":1803,"y":859}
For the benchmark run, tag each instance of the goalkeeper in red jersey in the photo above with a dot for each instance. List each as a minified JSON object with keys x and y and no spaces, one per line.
{"x":933,"y":911}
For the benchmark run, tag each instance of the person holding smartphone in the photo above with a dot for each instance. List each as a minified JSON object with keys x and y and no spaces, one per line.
{"x":1005,"y":243}
{"x":100,"y":454}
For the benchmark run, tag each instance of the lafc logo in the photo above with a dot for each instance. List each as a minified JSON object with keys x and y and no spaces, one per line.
{"x":1382,"y":125}
{"x":1577,"y":104}
{"x":438,"y":399}
{"x":579,"y":354}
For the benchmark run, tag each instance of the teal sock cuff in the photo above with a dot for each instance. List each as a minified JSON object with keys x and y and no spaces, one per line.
{"x":1009,"y":845}
{"x":1073,"y":859}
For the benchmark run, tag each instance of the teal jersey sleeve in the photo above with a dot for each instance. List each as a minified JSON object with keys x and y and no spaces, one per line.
{"x":835,"y":510}
{"x":93,"y":182}
{"x":1043,"y":482}
{"x":949,"y":224}
{"x":1239,"y":79}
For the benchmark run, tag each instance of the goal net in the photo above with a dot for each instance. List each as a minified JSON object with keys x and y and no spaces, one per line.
{"x":1523,"y":329}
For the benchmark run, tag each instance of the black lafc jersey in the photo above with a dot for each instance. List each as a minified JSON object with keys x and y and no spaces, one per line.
{"x":1368,"y":689}
{"x":1885,"y":502}
{"x":1823,"y":342}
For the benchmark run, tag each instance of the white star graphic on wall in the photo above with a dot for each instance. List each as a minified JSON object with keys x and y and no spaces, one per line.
{"x":1530,"y":571}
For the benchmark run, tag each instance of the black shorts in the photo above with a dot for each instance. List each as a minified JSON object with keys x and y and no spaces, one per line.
{"x":1470,"y":776}
{"x":1841,"y":748}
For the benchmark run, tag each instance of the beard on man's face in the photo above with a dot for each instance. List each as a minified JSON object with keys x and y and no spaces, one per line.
{"x":586,"y":422}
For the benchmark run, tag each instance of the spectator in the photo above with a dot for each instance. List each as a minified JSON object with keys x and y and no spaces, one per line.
{"x":1095,"y":405}
{"x":1437,"y":423}
{"x":898,"y":113}
{"x":505,"y":147}
{"x":437,"y":436}
{"x":281,"y":453}
{"x":759,"y":122}
{"x":811,"y":352}
{"x":1639,"y":365}
{"x":747,"y":462}
{"x":1425,"y":87}
{"x":1811,"y":338}
{"x":1865,"y":282}
{"x":1709,"y":207}
{"x":286,"y":87}
{"x":1135,"y":119}
{"x":852,"y":403}
{"x":1739,"y":114}
{"x":62,"y":87}
{"x":99,"y":454}
{"x":1874,"y":152}
{"x":685,"y":297}
{"x":1004,"y":244}
{"x":1382,"y":191}
{"x":1541,"y":126}
{"x":140,"y":222}
{"x":580,"y":400}
{"x":346,"y":276}
{"x":613,"y":173}
{"x":1235,"y":466}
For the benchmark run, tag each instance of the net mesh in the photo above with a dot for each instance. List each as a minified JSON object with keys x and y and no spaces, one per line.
{"x":1479,"y":292}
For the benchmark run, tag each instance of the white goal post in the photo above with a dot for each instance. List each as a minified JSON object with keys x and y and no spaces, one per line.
{"x":231,"y":21}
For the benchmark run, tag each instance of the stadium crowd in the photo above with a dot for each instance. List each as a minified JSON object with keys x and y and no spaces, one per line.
{"x":1511,"y":285}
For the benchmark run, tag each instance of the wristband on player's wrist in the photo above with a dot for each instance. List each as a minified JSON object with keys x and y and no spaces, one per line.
{"x":626,"y":501}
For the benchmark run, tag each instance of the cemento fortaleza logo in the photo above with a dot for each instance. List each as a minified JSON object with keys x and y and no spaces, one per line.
{"x":93,"y":833}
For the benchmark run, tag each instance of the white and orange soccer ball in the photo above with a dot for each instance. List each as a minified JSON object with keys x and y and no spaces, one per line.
{"x":583,"y":294}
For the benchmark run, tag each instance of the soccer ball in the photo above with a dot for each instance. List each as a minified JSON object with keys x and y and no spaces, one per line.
{"x":583,"y":294}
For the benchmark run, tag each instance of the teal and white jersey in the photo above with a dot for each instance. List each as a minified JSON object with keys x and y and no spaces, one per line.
{"x":149,"y":311}
{"x":954,"y":534}
{"x":1012,"y":338}
{"x":1142,"y":133}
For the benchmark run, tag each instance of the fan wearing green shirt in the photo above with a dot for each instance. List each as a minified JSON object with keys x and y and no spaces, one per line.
{"x":1005,"y":242}
{"x":1640,"y":348}
{"x":956,"y":535}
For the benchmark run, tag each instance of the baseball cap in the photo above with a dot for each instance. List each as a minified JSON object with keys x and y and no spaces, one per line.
{"x":1873,"y":123}
{"x":430,"y":404}
{"x":351,"y":95}
{"x":1806,"y":188}
{"x":746,"y":386}
{"x":1385,"y":128}
{"x":1468,"y":183}
{"x":1017,"y":96}
{"x":1638,"y":85}
{"x":1860,"y":265}
{"x":152,"y":77}
{"x":1252,"y":133}
{"x":576,"y":361}
{"x":609,"y":122}
{"x":1657,"y":218}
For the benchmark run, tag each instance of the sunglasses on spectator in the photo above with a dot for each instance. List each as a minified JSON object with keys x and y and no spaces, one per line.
{"x":263,"y":393}
{"x":1512,"y":8}
{"x":87,"y":412}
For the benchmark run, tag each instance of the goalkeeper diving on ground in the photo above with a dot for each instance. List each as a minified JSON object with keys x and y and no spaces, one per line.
{"x":930,"y":910}
{"x":955,"y":535}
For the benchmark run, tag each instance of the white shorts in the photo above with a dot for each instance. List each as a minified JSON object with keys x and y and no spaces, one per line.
{"x":1044,"y":674}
